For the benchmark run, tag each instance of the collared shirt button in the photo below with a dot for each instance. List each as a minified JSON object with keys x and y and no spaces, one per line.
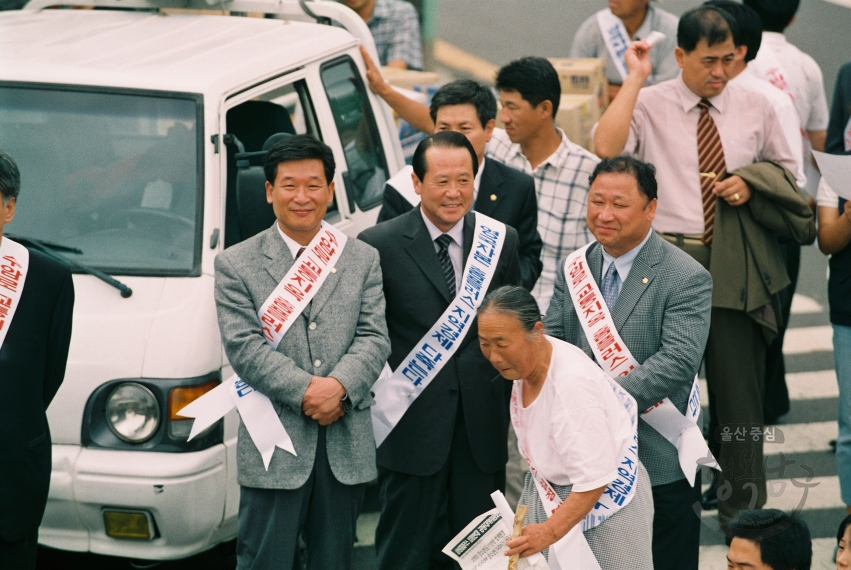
{"x":312,"y":326}
{"x":317,"y":363}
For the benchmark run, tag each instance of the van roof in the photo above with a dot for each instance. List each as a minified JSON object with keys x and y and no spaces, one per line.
{"x":206,"y":54}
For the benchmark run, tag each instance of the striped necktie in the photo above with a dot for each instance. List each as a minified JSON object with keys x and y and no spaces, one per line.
{"x":710,"y":160}
{"x":443,"y":241}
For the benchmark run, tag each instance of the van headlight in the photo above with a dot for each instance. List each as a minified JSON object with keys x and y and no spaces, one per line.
{"x":132,"y":412}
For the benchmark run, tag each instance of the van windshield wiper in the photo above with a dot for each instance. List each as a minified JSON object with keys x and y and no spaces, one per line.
{"x":52,"y":249}
{"x":51,"y":244}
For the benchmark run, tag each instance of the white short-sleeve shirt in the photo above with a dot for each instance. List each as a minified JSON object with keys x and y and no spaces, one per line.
{"x":827,"y":198}
{"x":577,"y":426}
{"x":800,"y":72}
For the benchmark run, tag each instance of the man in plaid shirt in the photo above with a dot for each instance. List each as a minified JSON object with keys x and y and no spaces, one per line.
{"x":529,"y":91}
{"x":395,"y":27}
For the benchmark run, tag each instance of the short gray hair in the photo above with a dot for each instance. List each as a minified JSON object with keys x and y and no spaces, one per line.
{"x":10,"y":177}
{"x":515,"y":301}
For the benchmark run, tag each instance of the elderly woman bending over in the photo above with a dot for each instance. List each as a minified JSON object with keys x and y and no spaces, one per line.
{"x":577,"y":430}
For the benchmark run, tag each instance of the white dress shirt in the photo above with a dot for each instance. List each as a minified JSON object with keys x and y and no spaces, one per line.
{"x":663,"y":131}
{"x":624,"y":263}
{"x":801,"y":72}
{"x":477,"y":181}
{"x":785,"y":111}
{"x":292,"y":244}
{"x":456,"y":246}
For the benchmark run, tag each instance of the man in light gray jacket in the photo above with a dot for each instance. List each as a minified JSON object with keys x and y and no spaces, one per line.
{"x":318,"y":377}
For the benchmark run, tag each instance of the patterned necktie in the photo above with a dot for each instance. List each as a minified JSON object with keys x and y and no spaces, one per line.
{"x":611,"y":286}
{"x":710,"y":161}
{"x":300,"y":251}
{"x":443,"y":242}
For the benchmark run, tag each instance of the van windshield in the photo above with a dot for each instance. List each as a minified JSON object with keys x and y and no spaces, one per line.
{"x":110,"y":179}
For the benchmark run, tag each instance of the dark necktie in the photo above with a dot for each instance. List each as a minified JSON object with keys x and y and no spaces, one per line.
{"x":710,"y":161}
{"x":307,"y":309}
{"x":443,"y":242}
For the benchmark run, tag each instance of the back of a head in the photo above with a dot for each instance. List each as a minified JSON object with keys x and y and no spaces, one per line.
{"x":708,"y":23}
{"x":534,"y":78}
{"x":750,"y":26}
{"x":299,"y":147}
{"x":846,"y":522}
{"x":442,"y":139}
{"x":783,"y":540}
{"x":10,"y":177}
{"x":775,"y":14}
{"x":465,"y":92}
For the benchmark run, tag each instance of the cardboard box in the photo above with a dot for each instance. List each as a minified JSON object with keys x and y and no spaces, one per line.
{"x":576,"y":115}
{"x":408,"y":78}
{"x":569,"y":119}
{"x":585,"y":76}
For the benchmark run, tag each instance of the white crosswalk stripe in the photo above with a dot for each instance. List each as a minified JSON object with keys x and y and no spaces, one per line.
{"x":801,"y":305}
{"x":808,"y":339}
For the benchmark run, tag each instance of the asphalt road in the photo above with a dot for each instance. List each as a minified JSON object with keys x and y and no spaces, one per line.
{"x":546,"y":28}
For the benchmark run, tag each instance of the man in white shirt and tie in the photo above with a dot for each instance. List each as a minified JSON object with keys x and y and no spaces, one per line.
{"x":695,"y":129}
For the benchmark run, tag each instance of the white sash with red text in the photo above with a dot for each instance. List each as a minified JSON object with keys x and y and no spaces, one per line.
{"x":277,"y":314}
{"x":572,"y":550}
{"x":396,"y":391}
{"x":615,"y":359}
{"x":616,"y":38}
{"x":404,"y":185}
{"x":14,"y":263}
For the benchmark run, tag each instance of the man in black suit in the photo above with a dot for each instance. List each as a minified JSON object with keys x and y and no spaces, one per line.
{"x":447,"y":453}
{"x":36,"y":303}
{"x":501,"y":192}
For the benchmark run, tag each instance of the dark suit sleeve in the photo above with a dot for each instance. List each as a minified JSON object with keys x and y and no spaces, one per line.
{"x":512,"y":271}
{"x":393,"y":204}
{"x":59,"y":339}
{"x":839,"y":112}
{"x":530,"y":244}
{"x":685,"y":328}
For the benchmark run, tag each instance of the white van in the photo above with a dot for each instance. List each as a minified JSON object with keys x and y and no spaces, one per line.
{"x":139,"y":135}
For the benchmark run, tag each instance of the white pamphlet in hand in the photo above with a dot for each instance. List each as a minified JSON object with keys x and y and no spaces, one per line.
{"x":654,"y":37}
{"x":836,"y":171}
{"x":481,"y":545}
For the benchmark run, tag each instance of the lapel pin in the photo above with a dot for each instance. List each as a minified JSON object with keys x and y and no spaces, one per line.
{"x":644,"y":280}
{"x":334,"y":270}
{"x":493,"y":197}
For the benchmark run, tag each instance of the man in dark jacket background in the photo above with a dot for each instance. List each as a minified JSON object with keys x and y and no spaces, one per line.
{"x":36,"y":305}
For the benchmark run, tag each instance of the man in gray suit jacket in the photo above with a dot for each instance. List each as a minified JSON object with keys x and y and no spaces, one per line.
{"x":318,"y":378}
{"x":659,"y":299}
